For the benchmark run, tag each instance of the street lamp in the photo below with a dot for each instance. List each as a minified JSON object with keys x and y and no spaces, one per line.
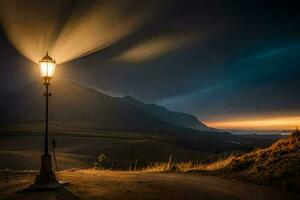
{"x":47,"y":67}
{"x":46,"y":176}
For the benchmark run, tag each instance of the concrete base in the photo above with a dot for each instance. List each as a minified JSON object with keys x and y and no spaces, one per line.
{"x":48,"y":186}
{"x":46,"y":175}
{"x":46,"y":179}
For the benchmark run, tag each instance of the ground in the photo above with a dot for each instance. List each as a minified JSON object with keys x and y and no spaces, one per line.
{"x":104,"y":185}
{"x":23,"y":151}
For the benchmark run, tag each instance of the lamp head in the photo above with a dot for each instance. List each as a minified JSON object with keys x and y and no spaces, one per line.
{"x":47,"y":68}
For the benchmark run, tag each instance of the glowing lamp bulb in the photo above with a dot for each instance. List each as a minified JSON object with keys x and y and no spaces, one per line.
{"x":47,"y":67}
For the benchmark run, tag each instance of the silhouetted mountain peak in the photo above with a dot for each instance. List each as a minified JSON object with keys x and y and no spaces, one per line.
{"x":175,"y":118}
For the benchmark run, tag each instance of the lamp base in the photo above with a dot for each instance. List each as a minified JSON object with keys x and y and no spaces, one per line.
{"x":46,"y":187}
{"x":46,"y":175}
{"x":46,"y":180}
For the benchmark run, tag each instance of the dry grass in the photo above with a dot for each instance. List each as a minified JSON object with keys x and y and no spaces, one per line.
{"x":277,"y":165}
{"x":213,"y":166}
{"x":279,"y":158}
{"x":279,"y":161}
{"x":157,"y":167}
{"x":189,"y":166}
{"x":280,"y":164}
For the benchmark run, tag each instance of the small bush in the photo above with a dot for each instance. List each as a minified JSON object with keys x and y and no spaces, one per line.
{"x":100,"y":162}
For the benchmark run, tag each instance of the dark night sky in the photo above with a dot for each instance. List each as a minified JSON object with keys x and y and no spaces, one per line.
{"x":215,"y":59}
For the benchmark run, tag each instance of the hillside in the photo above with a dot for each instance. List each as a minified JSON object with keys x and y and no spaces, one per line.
{"x":278,"y":164}
{"x":75,"y":103}
{"x":175,"y":118}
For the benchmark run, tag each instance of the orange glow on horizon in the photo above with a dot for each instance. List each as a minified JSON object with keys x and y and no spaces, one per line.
{"x":270,"y":123}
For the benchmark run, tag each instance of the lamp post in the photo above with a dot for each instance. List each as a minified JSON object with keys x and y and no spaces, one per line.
{"x":46,"y":175}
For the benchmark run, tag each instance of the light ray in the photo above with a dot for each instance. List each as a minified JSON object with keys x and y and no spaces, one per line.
{"x":35,"y":26}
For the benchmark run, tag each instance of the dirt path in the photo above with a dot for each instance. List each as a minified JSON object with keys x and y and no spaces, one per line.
{"x":104,"y":185}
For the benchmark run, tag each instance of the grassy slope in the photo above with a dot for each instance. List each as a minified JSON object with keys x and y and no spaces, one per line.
{"x":280,"y":163}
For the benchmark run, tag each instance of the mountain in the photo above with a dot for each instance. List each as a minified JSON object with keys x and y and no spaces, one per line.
{"x":81,"y":109}
{"x":72,"y":102}
{"x":175,"y":118}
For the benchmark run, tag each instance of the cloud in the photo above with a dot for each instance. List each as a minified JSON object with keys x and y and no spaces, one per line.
{"x":98,"y":28}
{"x":159,"y":46}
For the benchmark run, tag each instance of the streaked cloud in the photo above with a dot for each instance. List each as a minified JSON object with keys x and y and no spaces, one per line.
{"x":158,"y":46}
{"x":103,"y":24}
{"x":71,"y":30}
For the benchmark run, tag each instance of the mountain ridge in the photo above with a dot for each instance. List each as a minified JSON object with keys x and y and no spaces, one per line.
{"x":177,"y":118}
{"x":75,"y":102}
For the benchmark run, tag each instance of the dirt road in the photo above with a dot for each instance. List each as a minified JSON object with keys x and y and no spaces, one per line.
{"x":104,"y":185}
